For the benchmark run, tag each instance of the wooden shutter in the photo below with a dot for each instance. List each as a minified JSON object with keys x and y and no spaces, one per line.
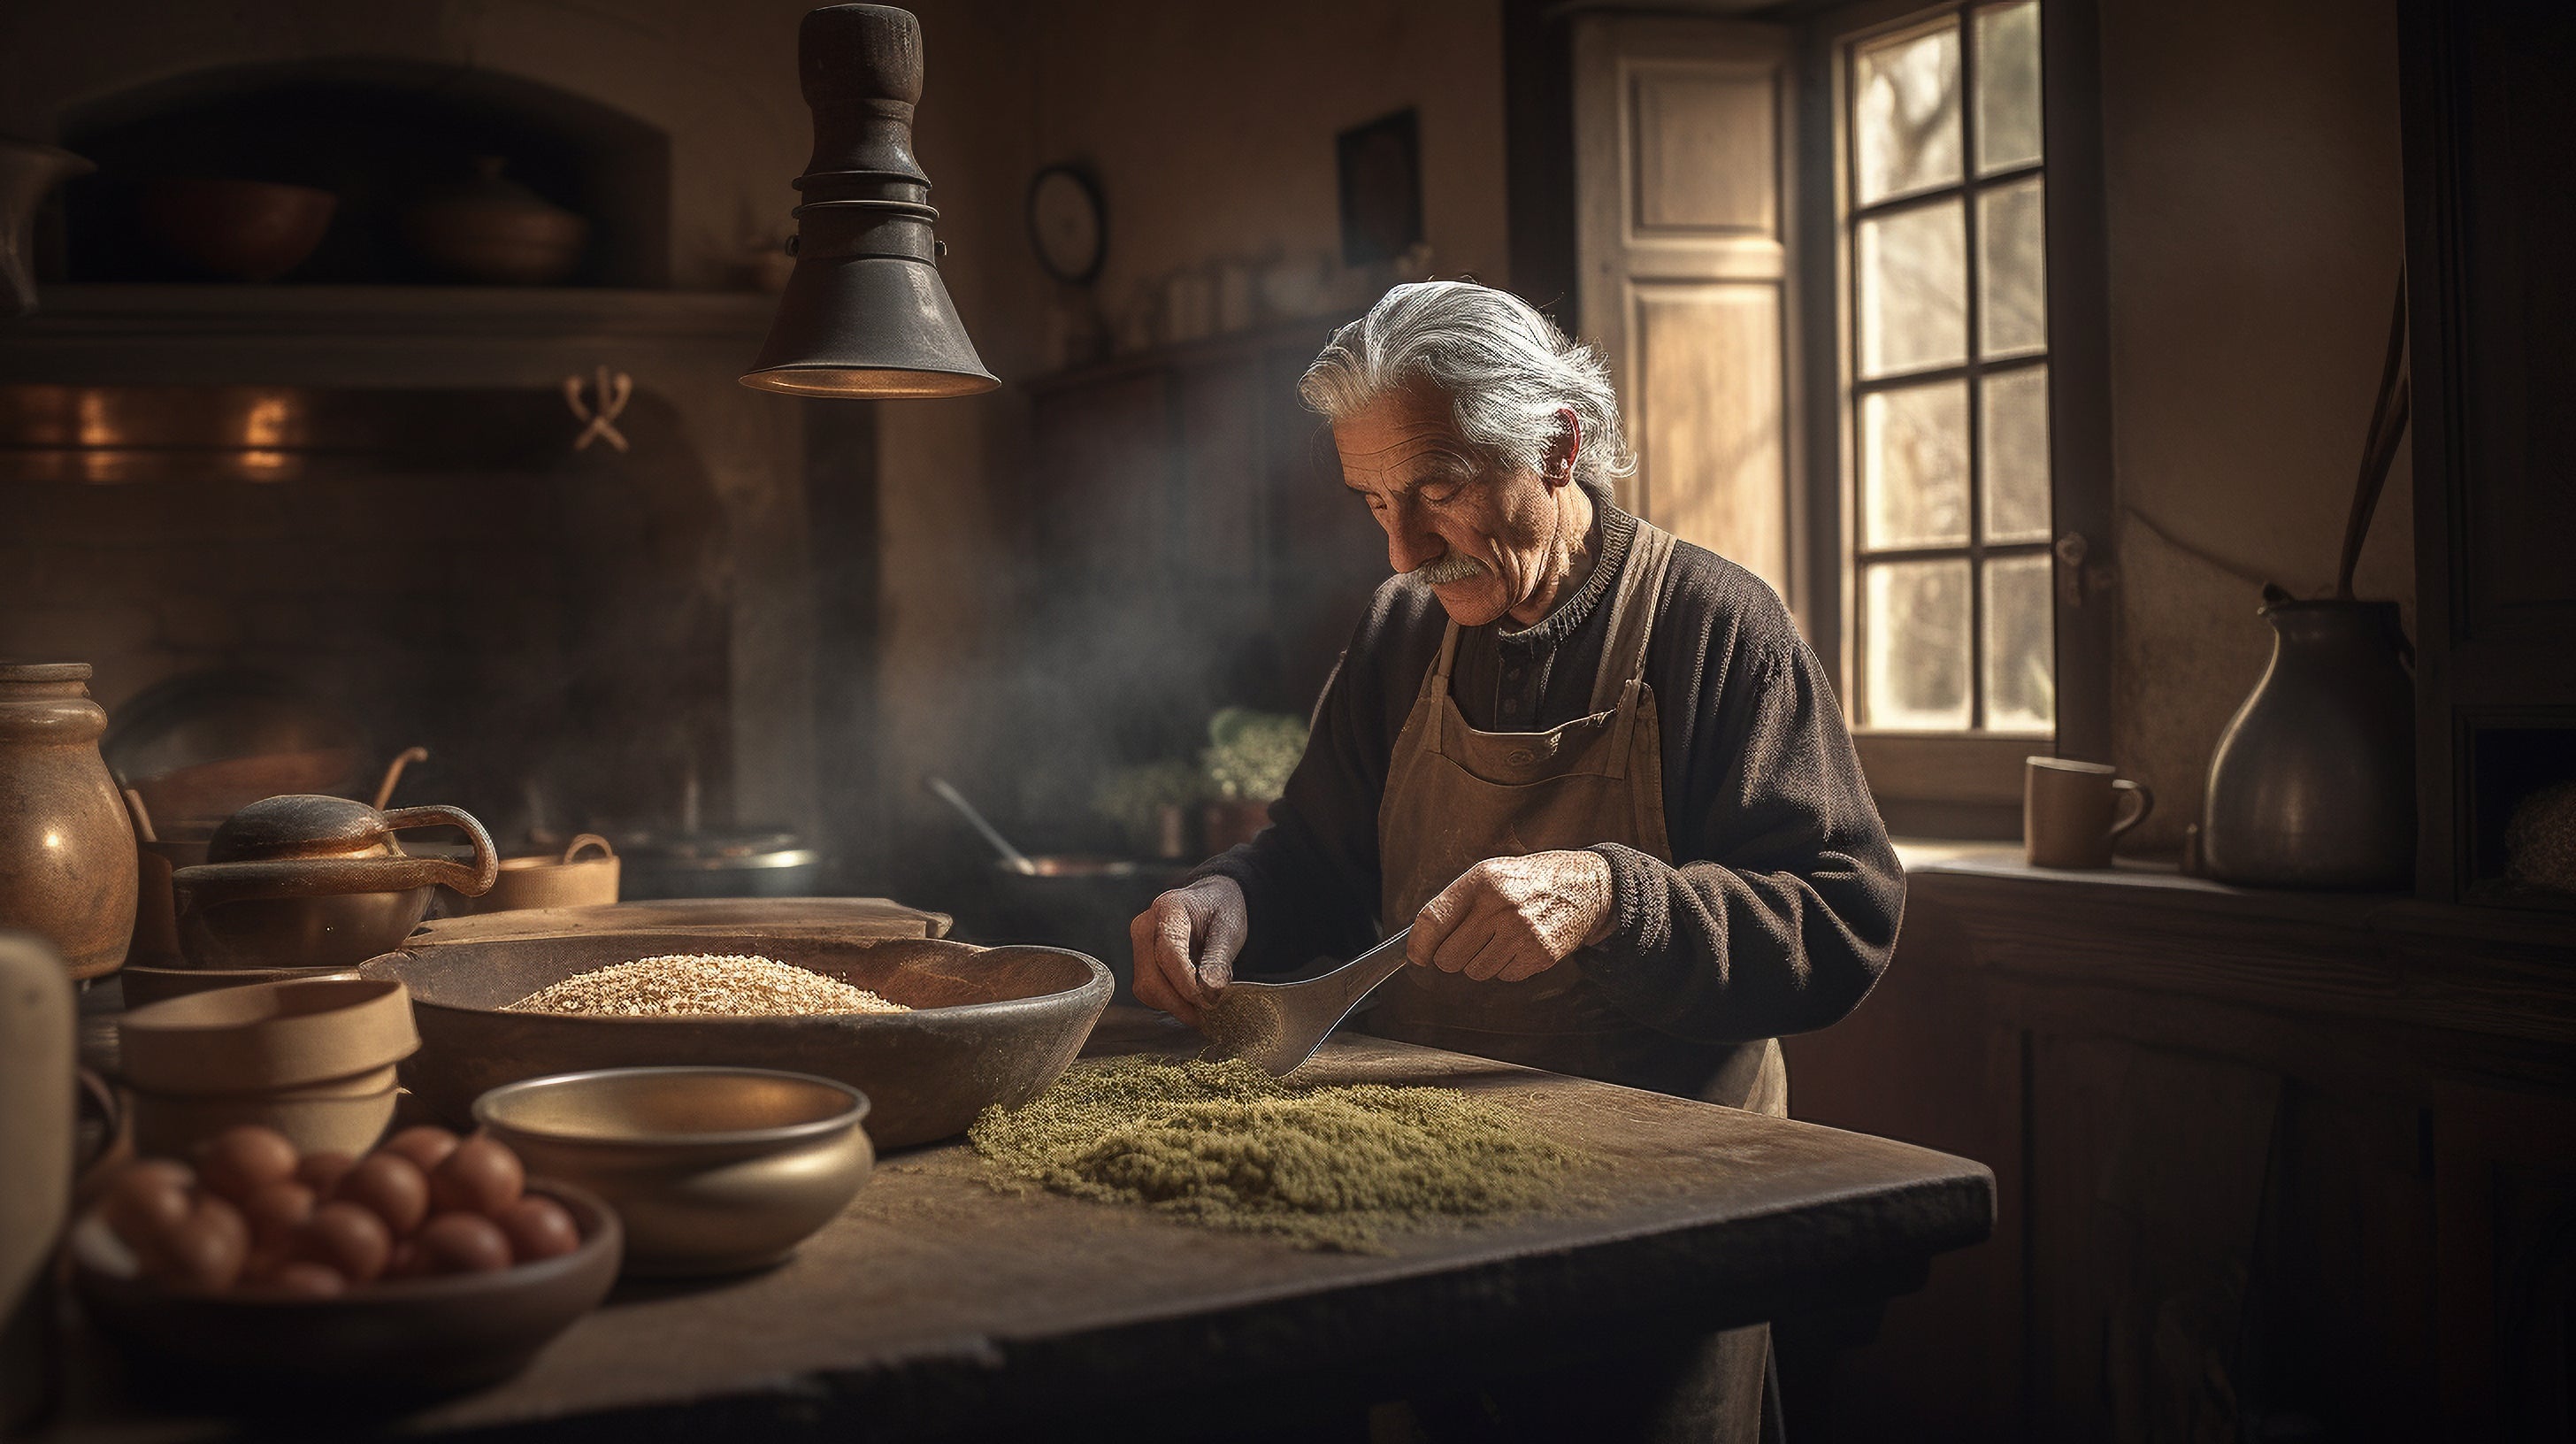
{"x":1684,"y":236}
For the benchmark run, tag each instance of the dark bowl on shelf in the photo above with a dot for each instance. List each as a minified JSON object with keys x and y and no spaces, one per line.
{"x":236,"y":230}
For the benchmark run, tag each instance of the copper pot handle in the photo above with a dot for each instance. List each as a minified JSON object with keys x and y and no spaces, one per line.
{"x":589,"y":839}
{"x":207,"y":884}
{"x":471,"y":882}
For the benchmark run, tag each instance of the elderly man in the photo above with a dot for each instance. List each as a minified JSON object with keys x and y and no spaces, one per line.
{"x":1595,"y":768}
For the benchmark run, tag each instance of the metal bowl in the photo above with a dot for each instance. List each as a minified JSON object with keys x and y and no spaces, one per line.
{"x":385,"y":1345}
{"x":338,"y":930}
{"x":991,"y":1025}
{"x":712,"y":1170}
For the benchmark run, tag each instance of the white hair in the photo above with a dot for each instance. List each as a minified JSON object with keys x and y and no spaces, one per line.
{"x":1506,"y":369}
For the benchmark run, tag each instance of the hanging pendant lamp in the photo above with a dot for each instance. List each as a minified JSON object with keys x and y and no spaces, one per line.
{"x":865,"y":313}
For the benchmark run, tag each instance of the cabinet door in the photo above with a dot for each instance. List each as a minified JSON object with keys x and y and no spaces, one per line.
{"x":1329,"y":556}
{"x":1683,"y":239}
{"x":2504,"y":1174}
{"x":1104,"y":483}
{"x":1221,"y":477}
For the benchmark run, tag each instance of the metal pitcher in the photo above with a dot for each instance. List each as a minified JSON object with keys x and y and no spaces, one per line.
{"x":27,"y":172}
{"x":2313,"y":783}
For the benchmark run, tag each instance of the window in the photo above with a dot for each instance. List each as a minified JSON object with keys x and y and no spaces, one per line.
{"x":1856,"y":320}
{"x":1944,"y":402}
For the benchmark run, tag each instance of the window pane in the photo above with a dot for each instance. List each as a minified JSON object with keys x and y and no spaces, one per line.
{"x":1913,"y":290}
{"x":2015,"y":444}
{"x":2012,"y":268}
{"x":1916,"y":676}
{"x":2008,"y":127}
{"x":1914,"y":466}
{"x":1905,"y":114}
{"x":2021,"y":655}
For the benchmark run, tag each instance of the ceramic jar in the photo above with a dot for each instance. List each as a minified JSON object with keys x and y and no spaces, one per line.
{"x":2313,"y":783}
{"x":38,"y":1029}
{"x":67,"y":868}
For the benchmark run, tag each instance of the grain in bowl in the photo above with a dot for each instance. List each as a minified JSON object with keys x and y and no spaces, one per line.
{"x":701,"y":985}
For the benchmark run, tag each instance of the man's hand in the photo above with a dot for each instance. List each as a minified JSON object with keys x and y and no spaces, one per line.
{"x":1186,"y":944}
{"x":1511,"y":918}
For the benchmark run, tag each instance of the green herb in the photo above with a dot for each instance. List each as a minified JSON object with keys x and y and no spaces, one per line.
{"x":1250,"y":754}
{"x":1131,"y":796}
{"x":1227,"y":1145}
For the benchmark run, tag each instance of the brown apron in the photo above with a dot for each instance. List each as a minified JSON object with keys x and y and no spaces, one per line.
{"x":1456,"y":796}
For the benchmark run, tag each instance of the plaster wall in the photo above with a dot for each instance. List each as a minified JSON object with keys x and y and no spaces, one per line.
{"x":1210,"y":127}
{"x":2256,"y":229}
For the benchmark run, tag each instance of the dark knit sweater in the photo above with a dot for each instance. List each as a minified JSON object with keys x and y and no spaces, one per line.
{"x":1782,"y":903}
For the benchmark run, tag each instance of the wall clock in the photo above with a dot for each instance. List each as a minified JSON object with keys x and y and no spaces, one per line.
{"x":1066,"y":224}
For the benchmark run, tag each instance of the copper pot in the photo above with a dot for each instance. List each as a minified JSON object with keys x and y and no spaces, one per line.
{"x":67,"y":869}
{"x":317,"y":882}
{"x":495,"y":230}
{"x":568,"y":880}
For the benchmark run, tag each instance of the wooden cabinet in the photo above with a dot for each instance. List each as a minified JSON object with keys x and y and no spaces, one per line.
{"x":2267,"y":1163}
{"x":2490,"y":201}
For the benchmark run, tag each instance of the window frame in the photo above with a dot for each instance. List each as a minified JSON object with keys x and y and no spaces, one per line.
{"x":1964,"y":784}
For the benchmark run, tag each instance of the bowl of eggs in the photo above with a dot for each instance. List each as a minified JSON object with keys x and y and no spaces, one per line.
{"x":261,"y":1276}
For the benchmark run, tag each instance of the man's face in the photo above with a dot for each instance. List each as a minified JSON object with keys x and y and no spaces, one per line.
{"x":1479,"y":537}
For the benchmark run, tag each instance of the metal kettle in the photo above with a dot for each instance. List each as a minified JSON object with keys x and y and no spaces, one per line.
{"x":2313,"y":782}
{"x":311,"y":881}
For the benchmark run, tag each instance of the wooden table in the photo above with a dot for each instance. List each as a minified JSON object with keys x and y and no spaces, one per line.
{"x":938,"y":1307}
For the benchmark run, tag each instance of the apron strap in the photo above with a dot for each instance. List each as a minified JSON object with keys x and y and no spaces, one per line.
{"x":1632,"y":619}
{"x":1435,"y":683}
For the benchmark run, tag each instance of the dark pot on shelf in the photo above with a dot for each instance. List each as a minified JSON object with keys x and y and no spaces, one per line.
{"x":2313,"y":783}
{"x":496,"y":231}
{"x":1232,"y":820}
{"x":235,"y":230}
{"x":1077,"y":902}
{"x":750,"y":862}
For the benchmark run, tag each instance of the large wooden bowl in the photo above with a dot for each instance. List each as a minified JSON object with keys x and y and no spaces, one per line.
{"x":991,"y":1025}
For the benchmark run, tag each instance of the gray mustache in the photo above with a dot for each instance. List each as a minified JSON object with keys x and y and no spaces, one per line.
{"x":1450,"y":568}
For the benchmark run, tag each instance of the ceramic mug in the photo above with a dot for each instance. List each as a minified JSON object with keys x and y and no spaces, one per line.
{"x":2067,"y":811}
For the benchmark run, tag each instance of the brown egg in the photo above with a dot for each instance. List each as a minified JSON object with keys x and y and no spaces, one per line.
{"x":423,"y":1145}
{"x":391,"y":1187}
{"x":346,"y":1237}
{"x":241,"y":1161}
{"x":463,"y":1243}
{"x":147,"y":1200}
{"x":405,"y":1261}
{"x":538,"y":1228}
{"x":276,"y":1211}
{"x":205,"y":1250}
{"x":482,"y":1176}
{"x":321,"y":1172}
{"x":303,"y":1279}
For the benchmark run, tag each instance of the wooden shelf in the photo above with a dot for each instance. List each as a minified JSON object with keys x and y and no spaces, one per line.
{"x":370,"y":335}
{"x":1310,"y":333}
{"x":99,"y":310}
{"x":2371,"y":958}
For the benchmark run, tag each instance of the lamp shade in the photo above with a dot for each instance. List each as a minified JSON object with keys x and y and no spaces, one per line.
{"x":865,"y":313}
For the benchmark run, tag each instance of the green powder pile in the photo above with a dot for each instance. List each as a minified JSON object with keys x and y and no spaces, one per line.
{"x":1226,"y":1144}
